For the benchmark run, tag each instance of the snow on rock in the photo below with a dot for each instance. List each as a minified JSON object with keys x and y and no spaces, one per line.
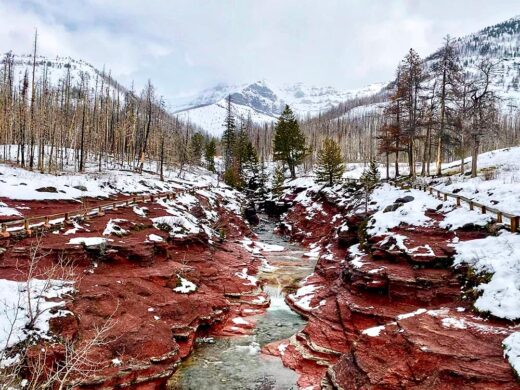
{"x":179,"y":225}
{"x":8,"y":211}
{"x":500,"y":257}
{"x":249,"y":278}
{"x":304,"y":295}
{"x":113,"y":228}
{"x":88,"y":241}
{"x":240,"y":321}
{"x":374,"y":331}
{"x":141,"y":211}
{"x":155,"y":238}
{"x":511,"y":346}
{"x":411,"y":213}
{"x":185,"y":287}
{"x":460,"y":217}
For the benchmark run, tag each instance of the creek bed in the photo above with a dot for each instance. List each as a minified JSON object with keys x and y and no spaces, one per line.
{"x":230,"y":363}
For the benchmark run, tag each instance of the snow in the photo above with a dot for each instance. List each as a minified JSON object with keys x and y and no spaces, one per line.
{"x":411,"y":213}
{"x":15,"y":308}
{"x":512,"y":350}
{"x":304,"y":295}
{"x":141,"y":211}
{"x":373,"y":332}
{"x":8,"y":211}
{"x":116,"y":362}
{"x":457,"y":323}
{"x":113,"y":228}
{"x":460,"y":217}
{"x":412,"y":314}
{"x":355,"y":255}
{"x":500,"y":256}
{"x":499,"y":188}
{"x":251,"y":280}
{"x":88,"y":241}
{"x":185,"y":286}
{"x":155,"y":238}
{"x":240,"y":321}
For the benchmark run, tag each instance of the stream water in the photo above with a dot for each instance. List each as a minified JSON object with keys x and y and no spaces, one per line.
{"x":229,"y":363}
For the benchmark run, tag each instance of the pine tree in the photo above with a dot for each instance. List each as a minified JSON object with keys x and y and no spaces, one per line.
{"x":209,"y":154}
{"x":330,"y":163}
{"x":197,"y":143}
{"x":229,"y":136}
{"x":369,"y":179}
{"x":289,"y":141}
{"x":448,"y":73}
{"x":411,"y":80}
{"x":278,"y":181}
{"x":232,"y":179}
{"x":250,"y":170}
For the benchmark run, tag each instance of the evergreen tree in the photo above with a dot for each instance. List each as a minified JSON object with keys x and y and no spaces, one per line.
{"x":229,"y":136}
{"x":232,"y":179}
{"x":330,"y":164}
{"x":209,"y":154}
{"x":197,"y":143}
{"x":289,"y":141}
{"x":278,"y":180}
{"x":411,"y":80}
{"x":250,"y":170}
{"x":261,"y":191}
{"x":369,"y":179}
{"x":448,"y":73}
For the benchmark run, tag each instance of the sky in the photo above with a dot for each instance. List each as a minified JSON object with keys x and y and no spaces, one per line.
{"x":186,"y":46}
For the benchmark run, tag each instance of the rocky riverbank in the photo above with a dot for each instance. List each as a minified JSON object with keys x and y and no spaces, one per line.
{"x":386,"y":307}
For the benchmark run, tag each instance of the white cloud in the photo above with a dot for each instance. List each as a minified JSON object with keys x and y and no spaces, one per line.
{"x":192,"y":44}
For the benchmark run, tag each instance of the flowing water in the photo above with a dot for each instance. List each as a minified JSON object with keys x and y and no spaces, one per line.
{"x":229,"y":363}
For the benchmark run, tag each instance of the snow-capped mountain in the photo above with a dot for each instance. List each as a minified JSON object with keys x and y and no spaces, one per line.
{"x":500,"y":43}
{"x":263,"y":102}
{"x":56,"y":69}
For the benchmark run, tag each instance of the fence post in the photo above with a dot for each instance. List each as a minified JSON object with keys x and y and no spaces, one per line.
{"x":458,"y":200}
{"x":66,"y":218}
{"x":46,"y":224}
{"x":3,"y":231}
{"x":499,"y":217}
{"x":445,"y":197}
{"x":483,"y":209}
{"x":514,"y":224}
{"x":470,"y":205}
{"x":431,"y":190}
{"x":100,"y":212}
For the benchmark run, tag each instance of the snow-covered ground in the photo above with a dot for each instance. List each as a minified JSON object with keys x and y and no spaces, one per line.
{"x":21,"y":184}
{"x":23,"y":303}
{"x":497,"y":184}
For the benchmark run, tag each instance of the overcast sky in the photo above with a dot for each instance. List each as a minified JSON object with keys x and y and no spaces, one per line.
{"x":185,"y":46}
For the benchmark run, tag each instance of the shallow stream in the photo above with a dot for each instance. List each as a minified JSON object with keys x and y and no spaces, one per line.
{"x":229,"y":363}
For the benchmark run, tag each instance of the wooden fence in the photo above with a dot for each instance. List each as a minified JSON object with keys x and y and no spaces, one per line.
{"x":500,"y":216}
{"x":44,"y":222}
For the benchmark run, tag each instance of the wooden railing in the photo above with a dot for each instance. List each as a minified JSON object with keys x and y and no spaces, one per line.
{"x":44,"y":222}
{"x":500,"y":216}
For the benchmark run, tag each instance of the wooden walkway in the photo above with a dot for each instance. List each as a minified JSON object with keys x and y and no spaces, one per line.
{"x":26,"y":226}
